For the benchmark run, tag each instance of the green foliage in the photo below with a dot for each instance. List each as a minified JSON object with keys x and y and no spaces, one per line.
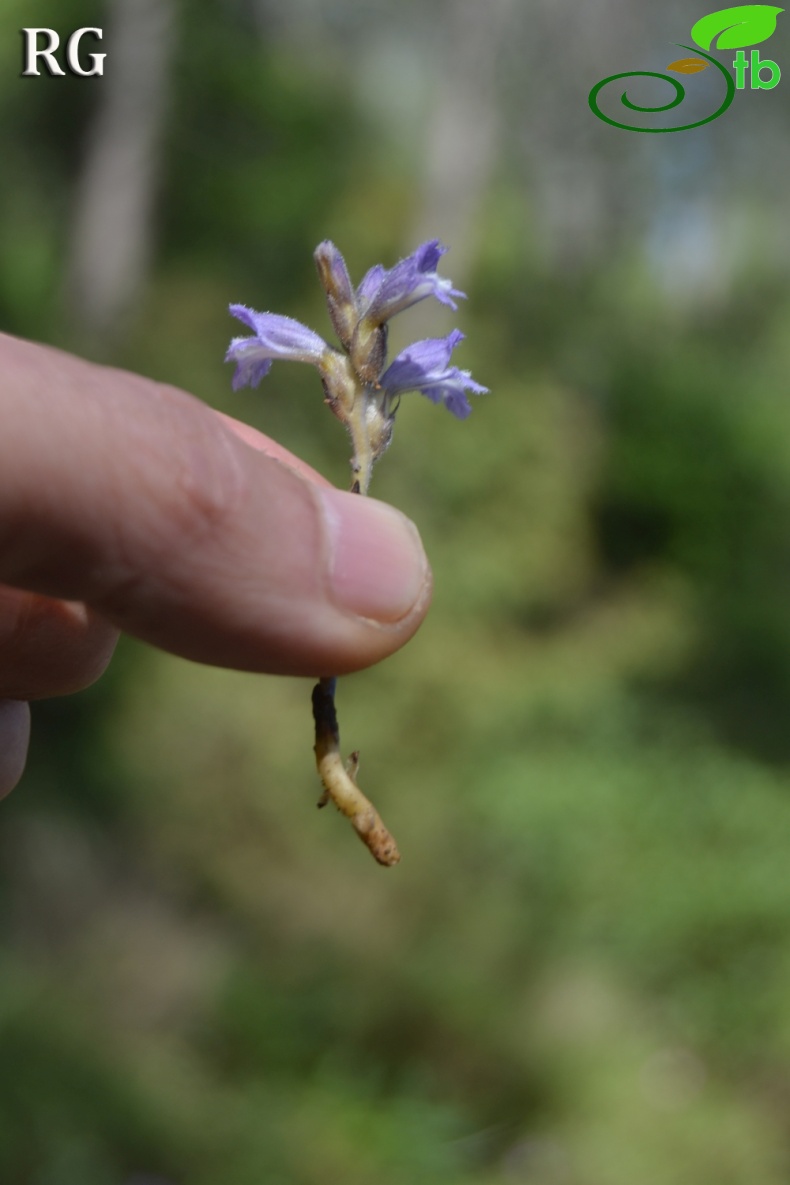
{"x":39,"y":144}
{"x":271,"y":138}
{"x":693,"y":481}
{"x":581,"y":970}
{"x":66,"y":1115}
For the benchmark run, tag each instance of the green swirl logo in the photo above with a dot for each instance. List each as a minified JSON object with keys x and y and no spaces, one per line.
{"x":731,"y":28}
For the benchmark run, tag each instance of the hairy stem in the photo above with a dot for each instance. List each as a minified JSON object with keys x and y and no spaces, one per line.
{"x":364,"y":455}
{"x":363,"y":409}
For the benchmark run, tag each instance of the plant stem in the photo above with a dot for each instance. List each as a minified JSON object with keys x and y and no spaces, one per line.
{"x":364,"y":455}
{"x":339,"y":780}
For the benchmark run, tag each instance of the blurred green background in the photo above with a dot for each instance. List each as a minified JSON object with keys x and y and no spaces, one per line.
{"x":580,"y":972}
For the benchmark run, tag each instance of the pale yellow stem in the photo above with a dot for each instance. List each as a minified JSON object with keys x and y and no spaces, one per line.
{"x":339,"y":780}
{"x":362,"y":410}
{"x":363,"y":458}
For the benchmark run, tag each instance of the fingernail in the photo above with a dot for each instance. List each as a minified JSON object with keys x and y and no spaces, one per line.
{"x":378,"y":568}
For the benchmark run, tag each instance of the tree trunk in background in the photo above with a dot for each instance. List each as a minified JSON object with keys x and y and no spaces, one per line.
{"x":111,"y":241}
{"x":462,"y":141}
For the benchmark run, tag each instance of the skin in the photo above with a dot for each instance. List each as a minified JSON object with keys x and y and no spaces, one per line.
{"x":129,"y":505}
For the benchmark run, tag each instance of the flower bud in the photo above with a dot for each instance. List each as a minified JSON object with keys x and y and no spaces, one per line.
{"x":369,"y":350}
{"x":341,"y":385}
{"x":340,"y":298}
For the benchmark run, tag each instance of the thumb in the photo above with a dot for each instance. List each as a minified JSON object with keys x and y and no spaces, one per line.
{"x":139,"y":500}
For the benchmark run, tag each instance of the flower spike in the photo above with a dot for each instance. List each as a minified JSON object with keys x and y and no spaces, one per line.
{"x":363,"y":392}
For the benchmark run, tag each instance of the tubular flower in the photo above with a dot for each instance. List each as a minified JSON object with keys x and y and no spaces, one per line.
{"x":424,"y":367}
{"x":386,"y":293}
{"x":275,"y":337}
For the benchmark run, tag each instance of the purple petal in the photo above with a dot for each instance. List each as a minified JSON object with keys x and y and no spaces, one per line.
{"x":409,"y":371}
{"x":283,"y":336}
{"x":453,"y":397}
{"x":406,"y":283}
{"x":371,"y":281}
{"x":424,"y":367}
{"x":275,"y":337}
{"x":428,"y":255}
{"x":419,"y":363}
{"x":250,"y":367}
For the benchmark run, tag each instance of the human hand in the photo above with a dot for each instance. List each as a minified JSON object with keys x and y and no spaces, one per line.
{"x":129,"y":505}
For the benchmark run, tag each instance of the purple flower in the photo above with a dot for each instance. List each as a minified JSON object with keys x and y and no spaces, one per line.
{"x":424,"y":367}
{"x":275,"y":337}
{"x":371,"y":281}
{"x":383,"y":293}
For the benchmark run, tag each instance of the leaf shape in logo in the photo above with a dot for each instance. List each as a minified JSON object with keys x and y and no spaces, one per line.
{"x":688,"y":66}
{"x":748,"y":24}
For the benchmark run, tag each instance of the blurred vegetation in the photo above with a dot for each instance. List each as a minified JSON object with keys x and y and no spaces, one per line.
{"x":580,"y":973}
